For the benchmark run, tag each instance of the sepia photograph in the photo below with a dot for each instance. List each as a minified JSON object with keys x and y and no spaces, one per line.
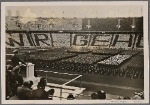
{"x":89,"y":52}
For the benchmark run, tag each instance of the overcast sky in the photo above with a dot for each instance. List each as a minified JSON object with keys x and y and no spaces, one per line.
{"x":77,"y":11}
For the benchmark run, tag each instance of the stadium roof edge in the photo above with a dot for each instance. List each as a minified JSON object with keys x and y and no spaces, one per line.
{"x":73,"y":31}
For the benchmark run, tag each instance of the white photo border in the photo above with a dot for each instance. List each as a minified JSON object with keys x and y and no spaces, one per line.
{"x":146,"y":52}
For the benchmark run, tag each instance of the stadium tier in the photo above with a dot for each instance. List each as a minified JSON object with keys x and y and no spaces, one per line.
{"x":67,"y":32}
{"x":68,"y":40}
{"x":97,"y":24}
{"x":21,"y":23}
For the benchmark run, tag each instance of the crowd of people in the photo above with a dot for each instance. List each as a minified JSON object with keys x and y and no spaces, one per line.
{"x":87,"y":63}
{"x":127,"y":73}
{"x":27,"y":23}
{"x":54,"y":56}
{"x":85,"y":59}
{"x":25,"y":91}
{"x":61,"y":39}
{"x":106,"y":51}
{"x":11,"y":23}
{"x":46,"y":60}
{"x":17,"y":88}
{"x":137,"y":63}
{"x":115,"y":60}
{"x":75,"y":50}
{"x":95,"y":69}
{"x":53,"y":23}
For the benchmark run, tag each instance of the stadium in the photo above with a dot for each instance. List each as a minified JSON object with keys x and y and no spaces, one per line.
{"x":84,"y":58}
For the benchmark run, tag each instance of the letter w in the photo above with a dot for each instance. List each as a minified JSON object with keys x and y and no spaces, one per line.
{"x":12,"y":41}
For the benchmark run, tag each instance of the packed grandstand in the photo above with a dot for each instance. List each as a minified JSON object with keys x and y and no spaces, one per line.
{"x":110,"y":59}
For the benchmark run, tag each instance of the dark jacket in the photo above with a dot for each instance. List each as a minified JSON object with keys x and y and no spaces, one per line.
{"x":40,"y":94}
{"x":24,"y":93}
{"x":15,"y":60}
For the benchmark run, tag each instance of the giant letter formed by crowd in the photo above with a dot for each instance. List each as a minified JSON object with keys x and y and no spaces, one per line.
{"x":67,"y":40}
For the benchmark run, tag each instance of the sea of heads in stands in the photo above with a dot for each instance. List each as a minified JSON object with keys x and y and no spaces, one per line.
{"x":27,"y":23}
{"x":24,"y":23}
{"x":116,"y":62}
